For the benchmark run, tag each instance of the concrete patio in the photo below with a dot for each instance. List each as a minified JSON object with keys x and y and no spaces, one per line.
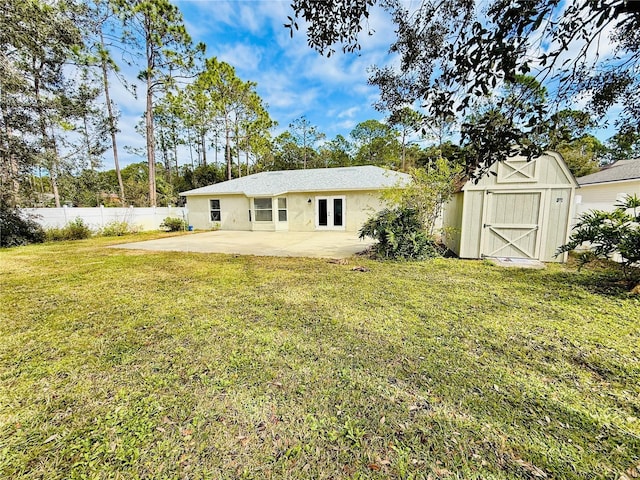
{"x":271,"y":244}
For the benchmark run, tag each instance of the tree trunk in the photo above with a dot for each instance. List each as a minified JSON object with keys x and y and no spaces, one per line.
{"x":9,"y":173}
{"x":50,"y":154}
{"x":87,"y":140}
{"x":53,"y":171}
{"x":404,"y":149}
{"x":238,"y":148}
{"x":227,"y":147}
{"x":151,"y":151}
{"x":151,"y":141}
{"x":203,"y":143}
{"x":112,"y":123}
{"x":175,"y":149}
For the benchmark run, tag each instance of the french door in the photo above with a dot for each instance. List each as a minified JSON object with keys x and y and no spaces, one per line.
{"x":330,"y":212}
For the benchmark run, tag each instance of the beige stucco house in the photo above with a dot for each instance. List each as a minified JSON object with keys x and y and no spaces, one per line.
{"x":603,"y":189}
{"x":522,"y":209}
{"x":293,"y":200}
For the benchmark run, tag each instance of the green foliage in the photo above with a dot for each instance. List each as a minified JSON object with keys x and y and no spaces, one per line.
{"x":376,"y":144}
{"x":400,"y":235}
{"x":173,"y":224}
{"x":582,"y":155}
{"x":305,"y":136}
{"x":74,"y":230}
{"x":117,"y":228}
{"x":451,"y":53}
{"x":429,"y":190}
{"x":625,"y":144}
{"x":15,"y":228}
{"x":609,"y":233}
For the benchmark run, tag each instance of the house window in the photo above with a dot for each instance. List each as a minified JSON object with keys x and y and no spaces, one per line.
{"x":262,"y":207}
{"x":214,"y":206}
{"x":282,"y":209}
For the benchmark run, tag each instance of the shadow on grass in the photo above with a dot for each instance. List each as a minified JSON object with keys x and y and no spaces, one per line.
{"x":601,"y":278}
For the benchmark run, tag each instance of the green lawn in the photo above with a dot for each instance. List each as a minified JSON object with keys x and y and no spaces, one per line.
{"x":127,"y":364}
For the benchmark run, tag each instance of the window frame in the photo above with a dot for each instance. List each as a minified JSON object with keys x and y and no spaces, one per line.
{"x":211,"y":210}
{"x":282,"y":210}
{"x":257,"y":211}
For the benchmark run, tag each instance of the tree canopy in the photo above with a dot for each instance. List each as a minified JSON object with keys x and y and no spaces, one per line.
{"x":454,"y":52}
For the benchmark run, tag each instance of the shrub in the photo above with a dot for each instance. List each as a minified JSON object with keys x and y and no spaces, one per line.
{"x":428,"y":191}
{"x":16,"y":229}
{"x":173,"y":224}
{"x":609,"y":233}
{"x":75,"y":230}
{"x":400,"y":235}
{"x":117,"y":228}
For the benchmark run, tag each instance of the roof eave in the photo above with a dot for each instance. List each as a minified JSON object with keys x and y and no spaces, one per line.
{"x":602,"y":182}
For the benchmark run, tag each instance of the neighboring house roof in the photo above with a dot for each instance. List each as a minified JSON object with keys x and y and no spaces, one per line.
{"x":268,"y":184}
{"x":620,"y":171}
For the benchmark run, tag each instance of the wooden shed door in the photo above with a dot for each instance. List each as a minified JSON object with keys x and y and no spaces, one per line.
{"x":512,"y":224}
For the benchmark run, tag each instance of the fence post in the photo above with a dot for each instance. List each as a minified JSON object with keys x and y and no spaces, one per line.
{"x":66,"y":218}
{"x":102,"y":216}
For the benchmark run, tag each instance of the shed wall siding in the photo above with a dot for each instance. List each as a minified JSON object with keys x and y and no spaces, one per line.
{"x":452,"y":222}
{"x":471,"y":224}
{"x":554,"y":229}
{"x":544,"y":197}
{"x":551,"y":172}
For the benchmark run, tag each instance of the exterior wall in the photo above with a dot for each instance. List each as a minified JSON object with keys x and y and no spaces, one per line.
{"x":301,"y":215}
{"x":554,"y":231}
{"x":359,"y":206}
{"x":234,"y":212}
{"x":607,"y":193}
{"x":452,"y":222}
{"x":548,"y":173}
{"x":471,"y":226}
{"x":548,"y":177}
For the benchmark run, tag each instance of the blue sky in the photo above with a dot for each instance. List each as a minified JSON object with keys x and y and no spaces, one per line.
{"x":291,"y":78}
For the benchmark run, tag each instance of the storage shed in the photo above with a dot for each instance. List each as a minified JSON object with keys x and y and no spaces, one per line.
{"x":521,"y":209}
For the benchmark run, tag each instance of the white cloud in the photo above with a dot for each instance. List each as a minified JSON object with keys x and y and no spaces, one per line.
{"x":349,"y":113}
{"x":243,"y":57}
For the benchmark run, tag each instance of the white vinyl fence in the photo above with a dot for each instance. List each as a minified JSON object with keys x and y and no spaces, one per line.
{"x":143,"y":218}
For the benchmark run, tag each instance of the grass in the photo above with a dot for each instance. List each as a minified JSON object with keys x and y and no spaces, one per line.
{"x":130,"y":364}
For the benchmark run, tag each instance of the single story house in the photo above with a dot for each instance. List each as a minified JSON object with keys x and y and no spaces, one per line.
{"x":521,"y":209}
{"x":293,"y":200}
{"x":601,"y":190}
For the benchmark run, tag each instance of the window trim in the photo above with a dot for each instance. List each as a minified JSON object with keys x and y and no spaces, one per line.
{"x":280,"y":209}
{"x":256,"y":210}
{"x":211,"y":210}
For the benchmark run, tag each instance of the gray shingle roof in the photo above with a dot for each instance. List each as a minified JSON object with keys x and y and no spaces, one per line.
{"x":269,"y":184}
{"x":621,"y":170}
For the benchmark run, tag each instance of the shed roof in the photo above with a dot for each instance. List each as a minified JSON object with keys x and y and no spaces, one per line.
{"x":367,"y":177}
{"x":616,"y":172}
